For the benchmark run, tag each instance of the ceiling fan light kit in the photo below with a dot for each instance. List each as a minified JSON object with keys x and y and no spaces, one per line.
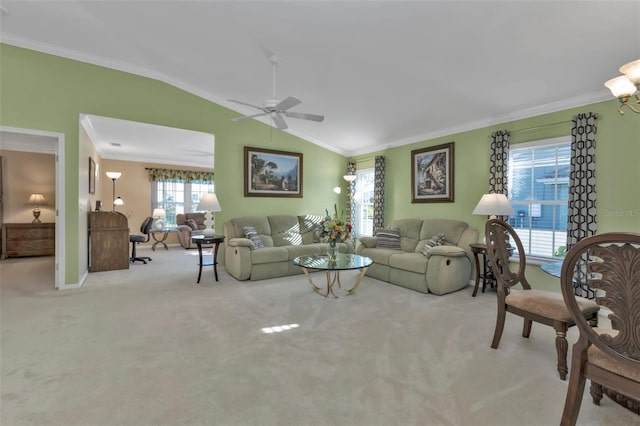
{"x":276,"y":108}
{"x":625,"y":86}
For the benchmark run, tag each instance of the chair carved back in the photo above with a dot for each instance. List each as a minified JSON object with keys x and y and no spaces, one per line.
{"x":498,"y":234}
{"x":612,"y":265}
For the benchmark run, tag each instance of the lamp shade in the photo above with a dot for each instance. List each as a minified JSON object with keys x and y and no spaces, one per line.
{"x":632,"y":71}
{"x":349,"y":178}
{"x":158,"y":213}
{"x":113,"y":175}
{"x":118,"y":202}
{"x":35,"y":199}
{"x":494,"y":204}
{"x":209,"y":202}
{"x":620,"y":86}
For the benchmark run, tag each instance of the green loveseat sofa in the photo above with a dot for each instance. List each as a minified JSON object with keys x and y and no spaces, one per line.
{"x":440,"y":269}
{"x":284,"y":238}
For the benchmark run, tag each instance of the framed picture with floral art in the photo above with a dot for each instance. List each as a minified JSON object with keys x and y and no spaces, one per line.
{"x":432,"y":174}
{"x":271,"y":173}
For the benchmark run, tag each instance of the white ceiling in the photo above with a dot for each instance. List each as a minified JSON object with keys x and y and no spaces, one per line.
{"x":384,"y":73}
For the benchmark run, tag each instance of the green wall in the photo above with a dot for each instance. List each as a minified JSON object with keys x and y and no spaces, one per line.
{"x":49,"y":93}
{"x":617,"y":171}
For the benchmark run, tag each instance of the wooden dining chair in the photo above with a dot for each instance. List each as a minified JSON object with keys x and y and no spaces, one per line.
{"x":609,"y":357}
{"x":543,"y":307}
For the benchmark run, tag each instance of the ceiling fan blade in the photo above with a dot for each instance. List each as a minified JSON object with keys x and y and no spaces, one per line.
{"x":244,"y":103}
{"x":290,"y":102}
{"x":244,"y":117}
{"x":280,"y":123}
{"x":302,"y":115}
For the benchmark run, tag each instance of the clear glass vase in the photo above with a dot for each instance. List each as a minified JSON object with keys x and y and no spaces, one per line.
{"x":333,"y":251}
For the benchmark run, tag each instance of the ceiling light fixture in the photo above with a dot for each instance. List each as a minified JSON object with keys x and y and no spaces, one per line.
{"x":626,"y":86}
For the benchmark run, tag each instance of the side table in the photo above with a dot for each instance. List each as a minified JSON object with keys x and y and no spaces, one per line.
{"x":162,"y":234}
{"x":486,"y":274}
{"x":199,"y":240}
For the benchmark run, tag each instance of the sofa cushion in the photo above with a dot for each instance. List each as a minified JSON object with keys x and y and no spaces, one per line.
{"x":269,"y":255}
{"x":434,"y":241}
{"x":380,"y":255}
{"x":446,"y":250}
{"x":308,"y":226}
{"x":260,"y":223}
{"x":413,"y":262}
{"x":250,"y":233}
{"x":191,"y":224}
{"x":409,"y":232}
{"x":453,"y":229}
{"x":285,"y":230}
{"x":388,"y":238}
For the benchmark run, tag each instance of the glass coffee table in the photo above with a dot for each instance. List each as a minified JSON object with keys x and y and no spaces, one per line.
{"x":332,"y":269}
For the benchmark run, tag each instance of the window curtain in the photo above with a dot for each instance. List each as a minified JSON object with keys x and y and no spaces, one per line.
{"x":499,"y":163}
{"x":186,"y":176}
{"x":581,"y":216}
{"x":378,"y":193}
{"x":351,"y":190}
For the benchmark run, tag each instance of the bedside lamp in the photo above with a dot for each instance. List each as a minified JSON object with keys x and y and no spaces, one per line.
{"x":159,"y":216}
{"x":494,"y":205}
{"x":209,"y":203}
{"x":36,"y":200}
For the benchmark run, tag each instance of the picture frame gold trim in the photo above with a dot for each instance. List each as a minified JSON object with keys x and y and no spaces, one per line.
{"x":92,"y":176}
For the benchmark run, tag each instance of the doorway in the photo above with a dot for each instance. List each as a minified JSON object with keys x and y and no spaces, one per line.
{"x":37,"y":141}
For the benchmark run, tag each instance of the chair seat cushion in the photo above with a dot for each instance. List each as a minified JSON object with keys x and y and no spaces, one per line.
{"x":602,"y":360}
{"x":547,"y":304}
{"x":137,"y":238}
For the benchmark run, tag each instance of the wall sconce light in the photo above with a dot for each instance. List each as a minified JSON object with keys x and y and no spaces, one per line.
{"x":494,"y":205}
{"x":36,"y":200}
{"x":337,"y":190}
{"x":209,"y":203}
{"x":625,"y":86}
{"x":114,"y":176}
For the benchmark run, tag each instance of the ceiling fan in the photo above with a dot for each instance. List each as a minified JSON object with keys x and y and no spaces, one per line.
{"x":276,"y":108}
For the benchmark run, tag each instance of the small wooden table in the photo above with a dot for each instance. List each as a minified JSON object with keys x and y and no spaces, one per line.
{"x":199,"y":240}
{"x":486,"y":274}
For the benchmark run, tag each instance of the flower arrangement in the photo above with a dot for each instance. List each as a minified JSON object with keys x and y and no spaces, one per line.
{"x":334,"y":229}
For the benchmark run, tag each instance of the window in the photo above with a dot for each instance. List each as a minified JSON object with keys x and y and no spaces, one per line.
{"x":539,"y":190}
{"x":176,"y":197}
{"x":363,"y":203}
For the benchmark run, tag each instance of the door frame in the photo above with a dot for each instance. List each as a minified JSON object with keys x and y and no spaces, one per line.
{"x":60,"y":277}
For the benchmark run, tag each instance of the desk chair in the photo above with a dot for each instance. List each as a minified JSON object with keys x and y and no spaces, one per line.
{"x":145,"y":228}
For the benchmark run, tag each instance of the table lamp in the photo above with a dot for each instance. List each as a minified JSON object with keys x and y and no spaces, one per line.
{"x":209,"y":203}
{"x":36,"y":200}
{"x":159,"y":216}
{"x":494,"y":205}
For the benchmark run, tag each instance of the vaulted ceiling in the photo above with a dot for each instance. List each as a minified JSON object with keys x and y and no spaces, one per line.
{"x":383,"y":73}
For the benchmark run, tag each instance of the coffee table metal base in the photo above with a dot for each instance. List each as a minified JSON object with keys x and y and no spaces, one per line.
{"x":331,"y":281}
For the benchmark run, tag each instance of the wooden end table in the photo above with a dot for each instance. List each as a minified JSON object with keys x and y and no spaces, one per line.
{"x":199,"y":240}
{"x":486,"y":274}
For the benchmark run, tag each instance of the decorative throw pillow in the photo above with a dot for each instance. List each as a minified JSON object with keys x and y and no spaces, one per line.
{"x":192,"y":224}
{"x":388,"y":238}
{"x":436,"y":240}
{"x":250,"y":233}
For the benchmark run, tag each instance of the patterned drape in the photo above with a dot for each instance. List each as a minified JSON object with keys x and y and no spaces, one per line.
{"x":351,"y":189}
{"x":581,"y":216}
{"x":186,"y":176}
{"x":499,"y":159}
{"x":378,"y":193}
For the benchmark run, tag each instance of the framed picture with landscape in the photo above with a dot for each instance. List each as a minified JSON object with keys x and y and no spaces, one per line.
{"x":270,"y":173}
{"x":432,"y":174}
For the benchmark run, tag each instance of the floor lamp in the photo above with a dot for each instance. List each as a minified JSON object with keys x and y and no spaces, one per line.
{"x":209,"y":203}
{"x":116,"y":201}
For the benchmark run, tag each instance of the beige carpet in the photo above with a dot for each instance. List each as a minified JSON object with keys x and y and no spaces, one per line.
{"x":147,"y":346}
